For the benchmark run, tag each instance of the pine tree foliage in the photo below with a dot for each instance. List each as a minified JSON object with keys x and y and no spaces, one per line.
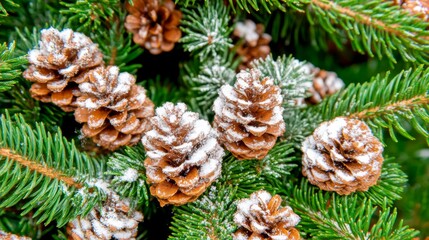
{"x":128,"y":171}
{"x":377,"y":28}
{"x":7,"y":6}
{"x":289,"y":74}
{"x":385,"y":103}
{"x":43,"y":171}
{"x":10,"y":66}
{"x":207,"y":29}
{"x":90,"y":14}
{"x":18,"y":100}
{"x":211,"y":75}
{"x":330,"y":216}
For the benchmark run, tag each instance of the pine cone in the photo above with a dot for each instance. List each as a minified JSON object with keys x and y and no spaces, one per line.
{"x":343,"y":156}
{"x":249,"y":115}
{"x":113,"y":220}
{"x":325,"y":83}
{"x":113,"y":109}
{"x":154,"y":24}
{"x":261,"y":217}
{"x":10,"y":236}
{"x":184,"y":157}
{"x":416,"y":7}
{"x":61,"y":57}
{"x":255,"y":45}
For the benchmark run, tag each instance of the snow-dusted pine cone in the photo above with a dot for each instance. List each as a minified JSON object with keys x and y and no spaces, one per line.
{"x":262,"y":217}
{"x":343,"y":156}
{"x":113,"y":108}
{"x":10,"y":236}
{"x":249,"y":115}
{"x":255,"y":43}
{"x":325,"y":83}
{"x":183,"y":155}
{"x":61,"y":57}
{"x":416,"y":7}
{"x":113,"y":220}
{"x":154,"y":24}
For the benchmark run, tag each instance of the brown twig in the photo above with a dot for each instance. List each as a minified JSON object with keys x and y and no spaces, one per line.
{"x":408,"y":104}
{"x":32,"y":165}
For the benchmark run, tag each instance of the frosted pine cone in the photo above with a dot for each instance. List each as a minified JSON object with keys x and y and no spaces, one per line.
{"x":154,"y":24}
{"x":113,"y":220}
{"x":249,"y":115}
{"x":113,"y":109}
{"x":262,"y":217}
{"x":10,"y":236}
{"x":61,"y":57}
{"x":183,"y":155}
{"x":325,"y":83}
{"x":343,"y":156}
{"x":256,"y":42}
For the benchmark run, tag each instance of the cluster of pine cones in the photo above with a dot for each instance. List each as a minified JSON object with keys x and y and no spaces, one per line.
{"x":68,"y":70}
{"x":184,"y":153}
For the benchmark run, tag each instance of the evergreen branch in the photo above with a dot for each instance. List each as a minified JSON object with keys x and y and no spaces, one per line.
{"x":384,"y":102}
{"x":5,"y":6}
{"x":128,"y":171}
{"x":207,"y":29}
{"x":375,"y":27}
{"x":10,"y":66}
{"x":210,"y":217}
{"x":43,"y":170}
{"x":39,"y":168}
{"x":204,"y":79}
{"x":289,"y":74}
{"x":116,"y":45}
{"x":18,"y":100}
{"x":90,"y":14}
{"x":390,"y":185}
{"x":330,"y":216}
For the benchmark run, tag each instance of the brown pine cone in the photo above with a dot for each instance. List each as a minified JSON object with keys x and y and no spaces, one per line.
{"x":10,"y":236}
{"x":183,"y":155}
{"x":255,"y":43}
{"x":113,"y":220}
{"x":261,"y":217}
{"x":416,"y":7}
{"x":343,"y":156}
{"x":248,"y":116}
{"x":155,"y":24}
{"x":62,"y":56}
{"x":325,"y":83}
{"x":112,"y":107}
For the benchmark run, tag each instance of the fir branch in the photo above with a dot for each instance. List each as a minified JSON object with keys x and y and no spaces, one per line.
{"x":207,"y":29}
{"x":90,"y":14}
{"x":43,"y":170}
{"x":204,"y":79}
{"x":329,"y":216}
{"x":116,"y":44}
{"x":210,"y":217}
{"x":128,"y":171}
{"x":10,"y":66}
{"x":377,"y":28}
{"x":384,"y":103}
{"x":18,"y":100}
{"x":289,"y":74}
{"x":390,"y":186}
{"x":6,"y":6}
{"x":39,"y":168}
